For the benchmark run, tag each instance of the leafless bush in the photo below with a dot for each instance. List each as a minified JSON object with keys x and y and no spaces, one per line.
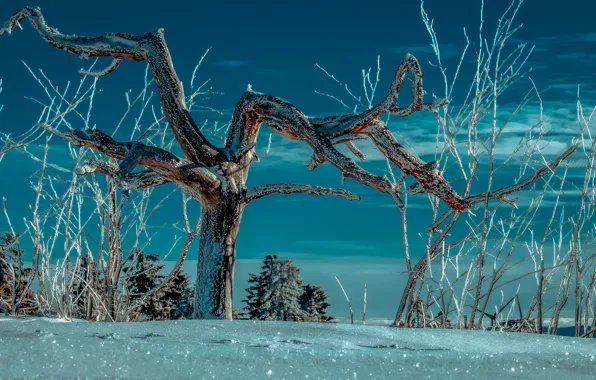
{"x":87,"y":279}
{"x":460,"y":273}
{"x":496,"y":236}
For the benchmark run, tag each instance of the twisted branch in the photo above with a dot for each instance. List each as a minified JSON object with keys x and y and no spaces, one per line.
{"x":157,"y":160}
{"x":321,"y":134}
{"x":150,"y":47}
{"x":255,"y":108}
{"x":288,"y":188}
{"x":354,"y":123}
{"x":133,"y":181}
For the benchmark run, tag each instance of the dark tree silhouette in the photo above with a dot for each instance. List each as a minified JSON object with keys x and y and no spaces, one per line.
{"x":314,"y":302}
{"x":177,"y":289}
{"x":255,"y":291}
{"x":16,"y":296}
{"x":142,"y":276}
{"x":185,"y":305}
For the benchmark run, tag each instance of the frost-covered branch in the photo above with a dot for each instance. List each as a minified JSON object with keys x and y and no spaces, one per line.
{"x":337,"y":125}
{"x":150,"y":47}
{"x":288,"y":188}
{"x":133,"y":181}
{"x":255,"y":108}
{"x":160,"y":161}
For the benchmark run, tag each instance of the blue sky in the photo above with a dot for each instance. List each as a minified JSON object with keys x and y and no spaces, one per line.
{"x":274,"y":46}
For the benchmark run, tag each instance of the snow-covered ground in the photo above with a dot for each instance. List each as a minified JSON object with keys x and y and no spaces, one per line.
{"x":45,"y":348}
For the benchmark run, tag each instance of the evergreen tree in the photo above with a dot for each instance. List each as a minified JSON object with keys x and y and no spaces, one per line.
{"x":11,"y":264}
{"x":252,"y":299}
{"x":5,"y":282}
{"x":185,"y":305}
{"x":143,"y":276}
{"x":5,"y":276}
{"x":275,"y":292}
{"x":175,"y":292}
{"x":313,"y":302}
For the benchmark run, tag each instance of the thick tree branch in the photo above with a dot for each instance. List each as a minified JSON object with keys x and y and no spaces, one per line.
{"x":287,"y":188}
{"x":159,"y":161}
{"x":321,"y":134}
{"x":427,"y":175}
{"x":354,"y":123}
{"x":133,"y":181}
{"x":254,"y":109}
{"x":150,"y":47}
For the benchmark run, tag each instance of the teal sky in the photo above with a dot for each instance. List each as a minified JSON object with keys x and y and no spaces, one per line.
{"x":275,"y":46}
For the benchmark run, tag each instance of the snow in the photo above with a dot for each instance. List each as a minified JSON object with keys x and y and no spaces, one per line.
{"x":39,"y":347}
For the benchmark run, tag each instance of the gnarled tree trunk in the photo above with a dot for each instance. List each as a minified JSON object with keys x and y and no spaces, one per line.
{"x":220,"y":221}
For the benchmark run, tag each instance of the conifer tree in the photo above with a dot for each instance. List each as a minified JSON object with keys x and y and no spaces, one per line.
{"x":143,"y":276}
{"x":15,"y":278}
{"x":185,"y":305}
{"x":275,"y":292}
{"x":5,"y":282}
{"x":252,"y":299}
{"x":174,"y":293}
{"x":313,"y":302}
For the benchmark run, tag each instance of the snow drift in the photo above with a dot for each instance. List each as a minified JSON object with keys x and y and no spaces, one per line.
{"x":40,"y":347}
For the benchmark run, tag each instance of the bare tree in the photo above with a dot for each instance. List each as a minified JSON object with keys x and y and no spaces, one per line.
{"x":216,"y":176}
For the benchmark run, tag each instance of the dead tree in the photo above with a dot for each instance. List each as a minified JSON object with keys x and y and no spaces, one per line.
{"x":216,"y":176}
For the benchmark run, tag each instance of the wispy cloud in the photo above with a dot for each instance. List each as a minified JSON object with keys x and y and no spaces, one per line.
{"x":580,"y":56}
{"x":561,"y":38}
{"x":336,"y":245}
{"x":447,"y":50}
{"x":231,"y":63}
{"x":568,"y":86}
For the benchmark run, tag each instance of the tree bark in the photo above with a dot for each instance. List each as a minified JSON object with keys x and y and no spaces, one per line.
{"x":220,"y":221}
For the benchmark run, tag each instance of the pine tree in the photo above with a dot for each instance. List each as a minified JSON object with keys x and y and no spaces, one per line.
{"x":11,"y":264}
{"x":313,"y":302}
{"x":174,"y":293}
{"x":185,"y":305}
{"x":143,"y":276}
{"x":257,"y":289}
{"x":5,"y":282}
{"x":275,"y":292}
{"x":252,"y":299}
